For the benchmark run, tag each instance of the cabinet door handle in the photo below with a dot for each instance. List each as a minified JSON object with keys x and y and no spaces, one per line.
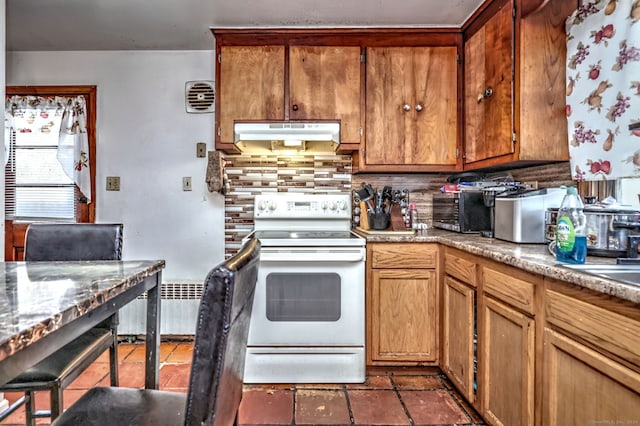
{"x":418,"y":107}
{"x":406,"y":107}
{"x":294,"y":107}
{"x":488,"y":92}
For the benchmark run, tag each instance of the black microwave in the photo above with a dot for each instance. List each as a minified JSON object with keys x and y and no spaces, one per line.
{"x":461,"y":212}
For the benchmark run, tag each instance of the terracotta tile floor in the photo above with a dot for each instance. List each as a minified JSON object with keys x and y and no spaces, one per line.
{"x":389,"y":397}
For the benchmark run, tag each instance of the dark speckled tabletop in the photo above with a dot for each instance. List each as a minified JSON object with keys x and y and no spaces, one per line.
{"x":38,"y":298}
{"x":530,"y":257}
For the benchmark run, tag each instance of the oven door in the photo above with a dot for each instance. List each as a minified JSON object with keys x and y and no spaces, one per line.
{"x":309,"y":297}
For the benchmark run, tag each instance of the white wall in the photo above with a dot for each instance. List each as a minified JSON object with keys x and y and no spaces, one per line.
{"x":145,"y":136}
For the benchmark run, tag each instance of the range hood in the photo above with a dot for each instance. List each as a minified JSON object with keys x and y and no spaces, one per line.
{"x":293,"y":137}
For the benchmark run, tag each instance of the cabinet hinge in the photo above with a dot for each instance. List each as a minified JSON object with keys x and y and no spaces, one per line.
{"x":219,"y":58}
{"x":457,"y":153}
{"x":458,"y":58}
{"x":361,"y":132}
{"x":363,"y":57}
{"x":364,"y":153}
{"x":219,"y":131}
{"x":514,"y":137}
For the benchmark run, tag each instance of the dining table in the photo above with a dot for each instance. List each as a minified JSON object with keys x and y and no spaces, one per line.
{"x":45,"y":305}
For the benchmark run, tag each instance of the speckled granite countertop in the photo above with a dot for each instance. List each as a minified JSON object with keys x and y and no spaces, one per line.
{"x":38,"y":298}
{"x":530,"y":257}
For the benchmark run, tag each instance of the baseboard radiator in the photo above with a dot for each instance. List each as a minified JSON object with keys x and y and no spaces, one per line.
{"x":178,"y":309}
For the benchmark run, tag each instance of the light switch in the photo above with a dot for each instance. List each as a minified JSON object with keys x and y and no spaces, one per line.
{"x":201,"y":150}
{"x":186,"y":183}
{"x":113,"y":183}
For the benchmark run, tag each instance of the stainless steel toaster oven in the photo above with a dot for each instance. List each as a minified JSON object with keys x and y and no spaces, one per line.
{"x":461,"y":212}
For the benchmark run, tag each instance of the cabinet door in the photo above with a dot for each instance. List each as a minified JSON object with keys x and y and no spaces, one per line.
{"x":403,"y":315}
{"x":435,"y":107}
{"x":251,"y":86}
{"x":389,"y":76}
{"x":474,"y":86}
{"x":458,"y":314}
{"x":411,"y":106}
{"x":584,"y":387}
{"x":506,"y":365}
{"x":489,"y":88}
{"x":325,"y":84}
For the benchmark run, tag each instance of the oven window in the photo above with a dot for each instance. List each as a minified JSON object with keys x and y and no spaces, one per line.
{"x":303,"y":296}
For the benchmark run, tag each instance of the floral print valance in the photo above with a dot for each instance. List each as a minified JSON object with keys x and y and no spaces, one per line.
{"x":603,"y":89}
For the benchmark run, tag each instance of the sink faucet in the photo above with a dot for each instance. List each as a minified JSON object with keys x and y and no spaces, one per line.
{"x":632,"y":244}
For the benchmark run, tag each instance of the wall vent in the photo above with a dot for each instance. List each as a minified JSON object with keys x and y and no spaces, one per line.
{"x":200,"y":96}
{"x":178,"y":306}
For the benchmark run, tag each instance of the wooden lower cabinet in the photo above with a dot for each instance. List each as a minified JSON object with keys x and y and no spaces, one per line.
{"x":583,"y":387}
{"x":458,"y":328}
{"x":506,"y":364}
{"x":402,"y":314}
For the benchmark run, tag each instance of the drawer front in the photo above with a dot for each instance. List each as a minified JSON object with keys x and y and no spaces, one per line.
{"x":608,"y":330}
{"x":460,"y":268}
{"x":404,"y":255}
{"x":508,"y":287}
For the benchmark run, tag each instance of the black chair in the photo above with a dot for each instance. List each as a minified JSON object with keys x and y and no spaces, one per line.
{"x":68,"y":242}
{"x":217,"y":370}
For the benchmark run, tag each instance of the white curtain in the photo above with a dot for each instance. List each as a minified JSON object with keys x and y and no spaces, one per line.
{"x":70,"y":114}
{"x":603,"y":89}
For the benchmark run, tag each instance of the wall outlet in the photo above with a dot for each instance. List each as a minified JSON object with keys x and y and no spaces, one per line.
{"x":201,"y":150}
{"x":113,"y":183}
{"x":186,"y":183}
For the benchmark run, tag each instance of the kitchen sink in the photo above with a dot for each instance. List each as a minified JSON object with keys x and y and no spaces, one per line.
{"x":626,"y":273}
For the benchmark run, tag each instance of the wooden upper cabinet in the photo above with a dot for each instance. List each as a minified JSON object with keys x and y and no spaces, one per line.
{"x":514,"y":80}
{"x":411,"y":109}
{"x":488,"y":88}
{"x":325,"y":84}
{"x":251,"y":87}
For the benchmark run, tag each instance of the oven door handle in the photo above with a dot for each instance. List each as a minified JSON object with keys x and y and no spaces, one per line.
{"x":311,"y":256}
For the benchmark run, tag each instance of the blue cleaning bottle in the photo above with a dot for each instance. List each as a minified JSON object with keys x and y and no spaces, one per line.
{"x":571,"y":229}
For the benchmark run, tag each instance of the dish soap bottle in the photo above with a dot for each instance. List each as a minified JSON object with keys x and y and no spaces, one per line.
{"x":571,"y":229}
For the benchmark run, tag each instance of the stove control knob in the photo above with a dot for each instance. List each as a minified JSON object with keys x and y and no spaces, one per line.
{"x":332,"y":205}
{"x":323,"y":205}
{"x":272,"y":205}
{"x":262,"y":205}
{"x":342,"y":205}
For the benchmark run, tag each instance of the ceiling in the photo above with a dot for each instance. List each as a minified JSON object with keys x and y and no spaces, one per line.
{"x":45,"y":25}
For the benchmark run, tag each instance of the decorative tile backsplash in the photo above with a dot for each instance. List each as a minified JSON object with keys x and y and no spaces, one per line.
{"x":249,"y":175}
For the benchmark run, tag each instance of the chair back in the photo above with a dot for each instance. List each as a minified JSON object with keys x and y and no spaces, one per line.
{"x":217,"y":370}
{"x":73,"y":241}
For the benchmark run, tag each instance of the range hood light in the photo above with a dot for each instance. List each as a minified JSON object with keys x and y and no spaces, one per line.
{"x":317,"y":137}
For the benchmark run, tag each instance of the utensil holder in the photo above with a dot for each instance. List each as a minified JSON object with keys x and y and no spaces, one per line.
{"x":379,"y":220}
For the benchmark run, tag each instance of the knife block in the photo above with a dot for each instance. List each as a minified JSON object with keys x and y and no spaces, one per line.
{"x":364,"y":216}
{"x":397,"y":221}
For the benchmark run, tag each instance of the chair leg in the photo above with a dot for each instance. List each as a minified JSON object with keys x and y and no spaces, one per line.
{"x":56,"y":402}
{"x":30,"y":408}
{"x":13,"y":407}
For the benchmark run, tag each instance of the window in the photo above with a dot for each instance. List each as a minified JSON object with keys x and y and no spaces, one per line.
{"x":36,"y":186}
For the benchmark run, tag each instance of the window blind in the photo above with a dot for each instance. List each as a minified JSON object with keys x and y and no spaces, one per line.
{"x":36,"y":187}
